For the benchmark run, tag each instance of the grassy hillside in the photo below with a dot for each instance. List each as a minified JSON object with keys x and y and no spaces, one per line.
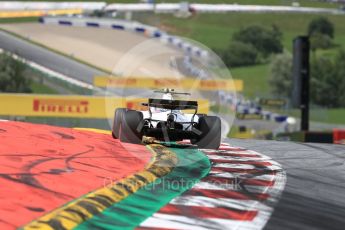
{"x":255,"y":79}
{"x":18,"y":20}
{"x":215,"y":30}
{"x":41,"y":89}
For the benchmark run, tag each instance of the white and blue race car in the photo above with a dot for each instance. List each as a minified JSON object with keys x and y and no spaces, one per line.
{"x":165,"y":120}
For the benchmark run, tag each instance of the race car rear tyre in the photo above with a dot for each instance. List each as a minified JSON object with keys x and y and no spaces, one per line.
{"x":117,"y":122}
{"x":130,"y":122}
{"x":210,"y":127}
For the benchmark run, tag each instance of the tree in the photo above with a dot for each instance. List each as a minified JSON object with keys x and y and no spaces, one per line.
{"x":339,"y":68}
{"x":265,"y":40}
{"x":327,"y":79}
{"x":331,"y":91}
{"x":321,"y":25}
{"x":12,"y":77}
{"x":322,"y":91}
{"x":281,"y":75}
{"x":320,"y":41}
{"x":240,"y":54}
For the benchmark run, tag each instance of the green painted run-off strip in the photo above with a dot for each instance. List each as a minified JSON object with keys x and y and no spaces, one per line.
{"x":130,"y":212}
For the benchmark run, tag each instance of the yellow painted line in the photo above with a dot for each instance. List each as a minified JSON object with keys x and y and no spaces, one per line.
{"x":37,"y":13}
{"x":94,"y":130}
{"x":84,"y":208}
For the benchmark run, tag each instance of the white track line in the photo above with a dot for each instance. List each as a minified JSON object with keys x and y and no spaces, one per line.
{"x":182,"y":222}
{"x":201,"y":201}
{"x":214,"y":186}
{"x":233,"y":166}
{"x":238,"y":158}
{"x":267,"y":177}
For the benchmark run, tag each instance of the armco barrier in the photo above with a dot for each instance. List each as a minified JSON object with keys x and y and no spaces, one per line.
{"x":154,"y":83}
{"x":71,"y":106}
{"x":132,"y":26}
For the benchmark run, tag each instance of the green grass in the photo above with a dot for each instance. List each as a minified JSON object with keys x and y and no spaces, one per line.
{"x":336,"y":116}
{"x":255,"y":79}
{"x":215,"y":30}
{"x":18,"y":20}
{"x":41,"y":89}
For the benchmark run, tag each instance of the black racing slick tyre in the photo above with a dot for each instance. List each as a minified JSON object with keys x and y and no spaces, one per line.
{"x":211,"y":134}
{"x":129,"y":127}
{"x":117,"y":122}
{"x":200,"y":115}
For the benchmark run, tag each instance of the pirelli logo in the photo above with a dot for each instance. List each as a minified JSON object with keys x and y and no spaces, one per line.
{"x":61,"y":106}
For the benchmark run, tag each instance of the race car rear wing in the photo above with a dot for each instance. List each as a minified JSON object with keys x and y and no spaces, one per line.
{"x":171,"y":104}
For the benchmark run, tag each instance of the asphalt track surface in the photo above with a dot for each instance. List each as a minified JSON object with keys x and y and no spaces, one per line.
{"x":47,"y":58}
{"x":314,"y":196}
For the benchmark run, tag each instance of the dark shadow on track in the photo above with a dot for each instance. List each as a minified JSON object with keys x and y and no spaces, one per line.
{"x":304,"y":212}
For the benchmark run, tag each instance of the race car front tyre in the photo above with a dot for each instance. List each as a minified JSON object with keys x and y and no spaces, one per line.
{"x":117,"y":122}
{"x":210,"y":127}
{"x":129,"y":125}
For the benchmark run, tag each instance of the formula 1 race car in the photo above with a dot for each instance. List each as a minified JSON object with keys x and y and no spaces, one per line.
{"x":165,"y":121}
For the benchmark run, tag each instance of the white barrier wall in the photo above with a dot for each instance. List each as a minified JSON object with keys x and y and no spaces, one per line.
{"x":219,"y":8}
{"x":132,"y":26}
{"x":17,"y":5}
